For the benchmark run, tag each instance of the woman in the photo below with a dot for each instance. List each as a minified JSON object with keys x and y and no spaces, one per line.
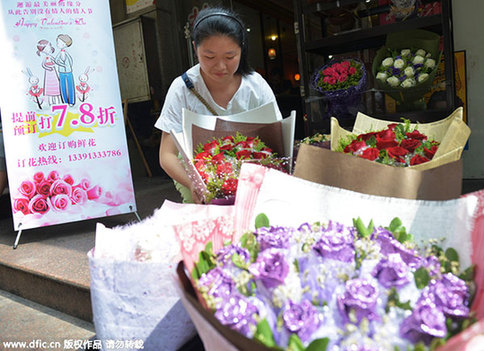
{"x":222,"y":77}
{"x":51,"y":79}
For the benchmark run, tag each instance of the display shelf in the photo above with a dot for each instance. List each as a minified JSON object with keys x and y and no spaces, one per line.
{"x":316,"y":45}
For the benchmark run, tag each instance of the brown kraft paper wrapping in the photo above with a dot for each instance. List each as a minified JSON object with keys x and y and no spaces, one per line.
{"x":353,"y":173}
{"x":270,"y":134}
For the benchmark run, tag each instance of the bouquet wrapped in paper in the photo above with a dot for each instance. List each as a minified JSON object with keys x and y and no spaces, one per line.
{"x":405,"y":160}
{"x":449,"y":134}
{"x":312,"y":279}
{"x":405,"y":67}
{"x":341,"y":82}
{"x":214,"y":148}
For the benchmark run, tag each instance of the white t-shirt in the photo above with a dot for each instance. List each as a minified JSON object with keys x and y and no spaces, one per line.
{"x":252,"y":93}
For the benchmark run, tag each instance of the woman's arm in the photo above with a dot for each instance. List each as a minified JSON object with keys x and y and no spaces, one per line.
{"x":172,"y":165}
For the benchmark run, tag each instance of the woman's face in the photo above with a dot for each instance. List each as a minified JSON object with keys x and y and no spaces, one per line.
{"x":219,"y":57}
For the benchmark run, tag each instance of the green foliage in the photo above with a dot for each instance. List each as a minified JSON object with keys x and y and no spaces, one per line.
{"x":264,"y":335}
{"x":261,"y":221}
{"x":206,"y":262}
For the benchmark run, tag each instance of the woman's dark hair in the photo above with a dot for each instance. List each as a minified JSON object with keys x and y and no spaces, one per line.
{"x":220,"y":21}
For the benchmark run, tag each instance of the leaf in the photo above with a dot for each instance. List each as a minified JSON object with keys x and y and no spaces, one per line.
{"x":295,"y":343}
{"x":318,"y":345}
{"x":264,"y":334}
{"x":361,"y":228}
{"x":452,"y":254}
{"x":261,"y":221}
{"x":468,"y":274}
{"x":422,"y":277}
{"x":395,"y":224}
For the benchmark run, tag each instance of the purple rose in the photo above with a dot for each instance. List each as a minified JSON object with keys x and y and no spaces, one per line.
{"x":277,"y":237}
{"x":390,"y":245}
{"x":361,"y":297}
{"x":336,"y":243}
{"x":225,"y":254}
{"x":391,"y":271}
{"x":302,"y":319}
{"x":270,"y":267}
{"x":238,"y":313}
{"x":451,"y":295}
{"x":218,"y":282}
{"x":425,"y":323}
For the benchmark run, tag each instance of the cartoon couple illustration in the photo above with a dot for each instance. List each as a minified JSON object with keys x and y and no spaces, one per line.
{"x":59,"y":84}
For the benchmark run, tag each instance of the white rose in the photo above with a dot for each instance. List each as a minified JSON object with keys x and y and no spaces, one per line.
{"x":408,"y":83}
{"x":387,"y":62}
{"x":422,"y":77}
{"x":393,"y":81}
{"x":382,"y":76}
{"x":418,"y":60}
{"x":420,"y":52}
{"x":430,"y":63}
{"x":405,"y":52}
{"x":409,"y":72}
{"x":399,"y":63}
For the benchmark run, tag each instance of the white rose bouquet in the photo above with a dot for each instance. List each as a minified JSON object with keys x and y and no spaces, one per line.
{"x":405,"y":67}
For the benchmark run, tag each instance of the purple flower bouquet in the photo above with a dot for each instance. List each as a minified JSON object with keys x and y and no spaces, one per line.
{"x":342,"y":82}
{"x":336,"y":287}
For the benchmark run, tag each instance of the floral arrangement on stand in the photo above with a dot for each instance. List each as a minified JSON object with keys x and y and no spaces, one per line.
{"x":219,"y":161}
{"x":336,"y":287}
{"x":398,"y":145}
{"x":341,"y":82}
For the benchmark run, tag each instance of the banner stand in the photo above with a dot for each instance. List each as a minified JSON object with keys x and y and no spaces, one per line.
{"x":19,"y":234}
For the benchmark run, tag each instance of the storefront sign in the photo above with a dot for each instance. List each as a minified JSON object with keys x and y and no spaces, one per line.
{"x":136,"y":5}
{"x":63,"y":127}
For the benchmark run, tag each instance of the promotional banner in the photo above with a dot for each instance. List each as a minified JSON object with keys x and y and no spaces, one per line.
{"x":63,"y":127}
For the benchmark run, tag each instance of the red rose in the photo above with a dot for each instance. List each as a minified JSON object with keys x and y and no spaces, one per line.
{"x":211,"y":146}
{"x":351,"y":70}
{"x":202,"y":155}
{"x":224,"y":168}
{"x":27,"y":188}
{"x":200,"y":165}
{"x":345,"y":65}
{"x":332,"y":80}
{"x":366,"y":136}
{"x":392,"y":126}
{"x":43,"y":188}
{"x":354,"y":146}
{"x":386,"y":134}
{"x":204,"y":176}
{"x":259,"y":155}
{"x":228,"y":139}
{"x":227,"y":147}
{"x":229,"y":187}
{"x":343,"y":77}
{"x":371,"y":153}
{"x":430,"y":153}
{"x":218,"y":158}
{"x":382,"y":143}
{"x":416,"y":135}
{"x":396,"y":152}
{"x":418,"y":159}
{"x":242,"y":154}
{"x":410,"y":144}
{"x":329,"y":71}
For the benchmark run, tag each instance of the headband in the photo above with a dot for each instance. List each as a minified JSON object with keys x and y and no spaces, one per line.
{"x":213,"y":14}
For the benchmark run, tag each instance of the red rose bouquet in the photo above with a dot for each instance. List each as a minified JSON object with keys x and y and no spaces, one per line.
{"x":397,"y":145}
{"x":341,"y":82}
{"x":219,"y":161}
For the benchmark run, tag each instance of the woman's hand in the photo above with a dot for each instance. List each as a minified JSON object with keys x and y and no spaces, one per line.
{"x":195,"y":196}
